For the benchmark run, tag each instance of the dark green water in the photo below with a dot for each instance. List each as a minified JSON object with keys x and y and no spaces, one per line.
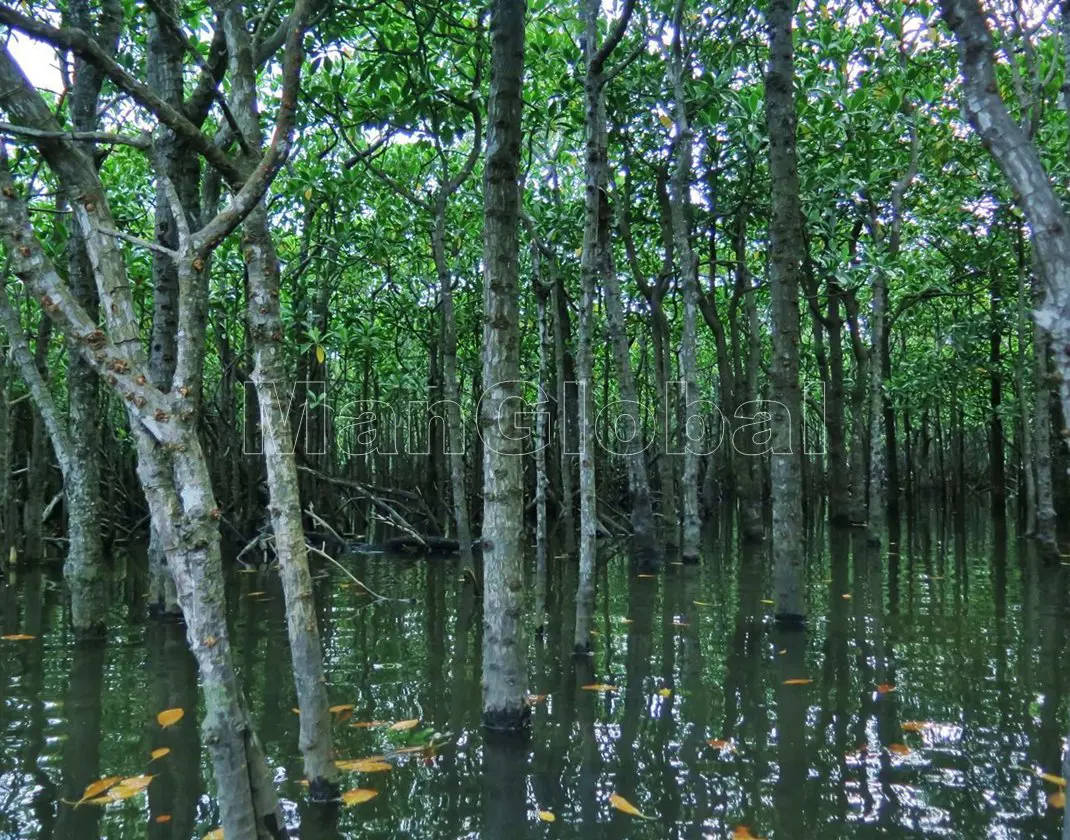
{"x":963,"y":622}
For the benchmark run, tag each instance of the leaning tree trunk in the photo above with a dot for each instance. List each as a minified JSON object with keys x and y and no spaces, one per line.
{"x":1028,"y":477}
{"x":691,"y":532}
{"x":504,"y":656}
{"x":270,"y":377}
{"x":786,"y":254}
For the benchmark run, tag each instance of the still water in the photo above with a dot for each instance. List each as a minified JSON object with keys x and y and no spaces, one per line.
{"x":936,"y":695}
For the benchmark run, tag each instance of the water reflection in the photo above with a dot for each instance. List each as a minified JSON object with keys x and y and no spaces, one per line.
{"x":921,"y":698}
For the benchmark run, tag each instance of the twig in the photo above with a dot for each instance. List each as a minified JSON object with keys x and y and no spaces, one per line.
{"x":349,"y":574}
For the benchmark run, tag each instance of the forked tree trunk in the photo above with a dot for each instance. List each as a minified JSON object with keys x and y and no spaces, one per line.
{"x":786,"y":254}
{"x":505,"y":680}
{"x":272,"y":381}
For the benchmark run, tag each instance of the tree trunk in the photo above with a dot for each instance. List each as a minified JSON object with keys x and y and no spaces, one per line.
{"x":838,"y":482}
{"x":1027,"y":481}
{"x":786,"y":254}
{"x":504,"y":661}
{"x":997,"y":472}
{"x":454,"y":423}
{"x":542,"y":479}
{"x":37,"y":464}
{"x":691,"y":530}
{"x":272,"y":379}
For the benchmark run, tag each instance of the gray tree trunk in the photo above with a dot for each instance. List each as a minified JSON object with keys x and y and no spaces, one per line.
{"x":505,"y":680}
{"x":786,"y":254}
{"x":272,"y":380}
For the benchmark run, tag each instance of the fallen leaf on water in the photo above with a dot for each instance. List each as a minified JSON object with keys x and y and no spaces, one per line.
{"x":665,"y":120}
{"x":885,"y":688}
{"x":913,"y":726}
{"x":163,"y":818}
{"x":169,"y":717}
{"x":254,"y":594}
{"x":98,"y":787}
{"x":781,"y":652}
{"x":1055,"y":780}
{"x":358,"y":795}
{"x":665,"y":692}
{"x":1057,"y":799}
{"x":405,"y":725}
{"x":602,"y":687}
{"x":18,"y":637}
{"x":627,"y":621}
{"x":247,"y":571}
{"x":364,"y":765}
{"x":766,"y":601}
{"x":846,"y":596}
{"x":798,"y":681}
{"x":595,"y":632}
{"x":623,"y":805}
{"x":536,"y":699}
{"x":899,"y":749}
{"x":160,"y":752}
{"x":647,"y":576}
{"x":679,"y":623}
{"x":547,"y":816}
{"x":214,"y":834}
{"x":741,"y":832}
{"x":368,"y":724}
{"x":719,"y":744}
{"x":125,"y":789}
{"x":345,"y":707}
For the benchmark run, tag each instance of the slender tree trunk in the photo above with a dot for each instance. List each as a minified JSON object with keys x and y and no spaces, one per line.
{"x":786,"y":254}
{"x":37,"y":465}
{"x":1021,"y":370}
{"x":838,"y":481}
{"x":542,"y":479}
{"x":878,"y":477}
{"x":272,"y":380}
{"x":565,"y":412}
{"x":504,"y":661}
{"x":690,"y":544}
{"x":997,"y":471}
{"x":454,"y":422}
{"x":1045,"y":527}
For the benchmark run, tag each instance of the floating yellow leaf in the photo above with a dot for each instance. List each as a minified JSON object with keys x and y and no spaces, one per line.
{"x":254,"y":594}
{"x":547,"y":816}
{"x":899,"y":749}
{"x":741,"y":832}
{"x":595,"y":632}
{"x":701,"y":604}
{"x":18,"y":637}
{"x":913,"y":725}
{"x":337,"y":710}
{"x":679,"y":623}
{"x":368,"y":724}
{"x":798,"y":681}
{"x":405,"y":725}
{"x":1055,"y":780}
{"x":320,"y":354}
{"x":536,"y":699}
{"x":364,"y":765}
{"x":665,"y":120}
{"x":98,"y":787}
{"x":719,"y":744}
{"x":665,"y":692}
{"x":358,"y":795}
{"x":782,"y":652}
{"x":601,"y":687}
{"x":125,"y":789}
{"x":1057,"y":799}
{"x":645,"y":577}
{"x":163,"y":818}
{"x":627,"y":621}
{"x":623,"y":805}
{"x":846,"y":596}
{"x":160,"y":752}
{"x":169,"y":717}
{"x":766,"y":601}
{"x":214,"y":834}
{"x":885,"y":688}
